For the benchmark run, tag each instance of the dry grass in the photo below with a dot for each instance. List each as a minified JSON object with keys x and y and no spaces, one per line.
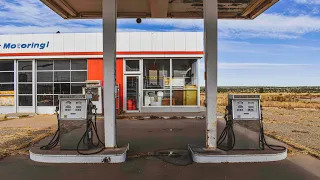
{"x":299,"y":128}
{"x":292,"y":143}
{"x":14,"y":139}
{"x":293,"y":118}
{"x":285,"y":100}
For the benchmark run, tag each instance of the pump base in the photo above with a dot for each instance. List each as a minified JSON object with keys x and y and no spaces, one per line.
{"x":200,"y":155}
{"x":55,"y":155}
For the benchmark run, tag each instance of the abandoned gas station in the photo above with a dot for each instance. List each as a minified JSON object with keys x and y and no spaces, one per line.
{"x":38,"y":68}
{"x":210,"y":11}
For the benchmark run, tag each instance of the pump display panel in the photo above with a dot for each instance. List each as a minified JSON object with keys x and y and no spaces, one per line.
{"x":73,"y":109}
{"x":245,"y":107}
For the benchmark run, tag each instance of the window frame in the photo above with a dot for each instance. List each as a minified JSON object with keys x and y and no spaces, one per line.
{"x":58,"y":82}
{"x":25,"y":83}
{"x":133,"y":72}
{"x":171,"y":89}
{"x":13,"y":94}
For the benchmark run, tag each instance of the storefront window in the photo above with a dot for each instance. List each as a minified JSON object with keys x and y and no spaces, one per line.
{"x":132,"y":65}
{"x":79,"y":65}
{"x":45,"y":100}
{"x":6,"y":83}
{"x":156,"y":74}
{"x":156,"y":82}
{"x":156,"y":98}
{"x":61,"y":65}
{"x":184,"y":82}
{"x":58,"y":77}
{"x":25,"y":79}
{"x":45,"y":65}
{"x":159,"y":86}
{"x":25,"y":100}
{"x":6,"y":77}
{"x":45,"y":88}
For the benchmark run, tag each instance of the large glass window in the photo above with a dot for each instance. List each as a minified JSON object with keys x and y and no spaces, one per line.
{"x":156,"y":73}
{"x":159,"y":86}
{"x":6,"y":83}
{"x":156,"y":82}
{"x":184,"y":82}
{"x":58,"y":77}
{"x":25,"y":89}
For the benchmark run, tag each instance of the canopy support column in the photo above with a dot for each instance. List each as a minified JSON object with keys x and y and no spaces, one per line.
{"x":109,"y":66}
{"x":210,"y":14}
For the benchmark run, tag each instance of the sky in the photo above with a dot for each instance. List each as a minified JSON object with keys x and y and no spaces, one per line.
{"x":279,"y":48}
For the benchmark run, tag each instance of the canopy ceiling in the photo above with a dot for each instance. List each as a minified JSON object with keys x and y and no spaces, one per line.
{"x":90,"y":9}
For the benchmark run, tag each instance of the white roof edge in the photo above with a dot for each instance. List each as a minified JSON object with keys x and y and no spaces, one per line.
{"x":121,"y":32}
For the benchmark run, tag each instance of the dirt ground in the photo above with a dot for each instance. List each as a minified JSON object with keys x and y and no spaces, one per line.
{"x":14,"y":139}
{"x":299,"y":128}
{"x":17,"y":134}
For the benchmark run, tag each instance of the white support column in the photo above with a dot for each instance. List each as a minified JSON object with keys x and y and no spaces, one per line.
{"x":109,"y":66}
{"x":210,"y":10}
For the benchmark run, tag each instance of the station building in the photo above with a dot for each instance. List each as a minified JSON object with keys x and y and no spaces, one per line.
{"x":155,"y":71}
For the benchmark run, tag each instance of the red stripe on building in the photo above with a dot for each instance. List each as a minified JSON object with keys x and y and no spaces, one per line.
{"x":101,"y":53}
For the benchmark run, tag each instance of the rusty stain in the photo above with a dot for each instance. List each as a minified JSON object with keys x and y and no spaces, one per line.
{"x":214,"y":123}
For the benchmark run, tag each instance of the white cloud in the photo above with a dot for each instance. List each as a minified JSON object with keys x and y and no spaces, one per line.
{"x":245,"y":65}
{"x":231,"y":46}
{"x":265,"y":26}
{"x":271,"y":26}
{"x":30,"y":16}
{"x":256,"y":66}
{"x":308,"y":1}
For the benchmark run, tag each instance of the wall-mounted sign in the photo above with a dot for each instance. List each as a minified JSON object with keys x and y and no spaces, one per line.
{"x":32,"y":45}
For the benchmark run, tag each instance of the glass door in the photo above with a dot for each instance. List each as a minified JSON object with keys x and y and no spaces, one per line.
{"x":132,"y":92}
{"x":25,"y":86}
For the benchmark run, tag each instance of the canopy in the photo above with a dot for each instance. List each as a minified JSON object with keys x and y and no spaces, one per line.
{"x":90,"y":9}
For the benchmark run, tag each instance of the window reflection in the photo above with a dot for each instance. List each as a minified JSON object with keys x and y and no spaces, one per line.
{"x":25,"y":100}
{"x":45,"y":100}
{"x":155,"y":74}
{"x":45,"y":65}
{"x":25,"y":76}
{"x":132,"y":65}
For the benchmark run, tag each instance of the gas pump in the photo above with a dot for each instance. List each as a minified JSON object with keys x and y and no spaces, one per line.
{"x":243,"y":108}
{"x":77,"y":125}
{"x":94,"y":87}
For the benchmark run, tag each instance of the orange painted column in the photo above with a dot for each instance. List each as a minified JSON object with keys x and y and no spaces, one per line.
{"x":119,"y":81}
{"x":95,"y":72}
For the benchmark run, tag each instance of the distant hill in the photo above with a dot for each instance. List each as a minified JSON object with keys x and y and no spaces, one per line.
{"x":267,"y":89}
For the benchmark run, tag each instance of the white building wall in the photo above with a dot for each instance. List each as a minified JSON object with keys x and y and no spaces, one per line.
{"x":89,"y":45}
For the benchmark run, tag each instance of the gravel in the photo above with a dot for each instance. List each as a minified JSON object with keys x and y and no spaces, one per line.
{"x":299,"y":126}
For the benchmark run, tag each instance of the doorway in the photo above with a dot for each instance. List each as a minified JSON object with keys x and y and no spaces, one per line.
{"x":132,"y":93}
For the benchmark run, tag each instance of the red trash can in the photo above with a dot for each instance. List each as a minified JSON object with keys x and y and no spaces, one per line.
{"x":129,"y":104}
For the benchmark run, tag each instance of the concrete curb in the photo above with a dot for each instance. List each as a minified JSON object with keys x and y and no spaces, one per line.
{"x":239,"y":158}
{"x":83,"y":159}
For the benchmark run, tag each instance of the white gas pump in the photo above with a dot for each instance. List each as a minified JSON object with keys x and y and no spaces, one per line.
{"x":77,"y":125}
{"x":243,"y":107}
